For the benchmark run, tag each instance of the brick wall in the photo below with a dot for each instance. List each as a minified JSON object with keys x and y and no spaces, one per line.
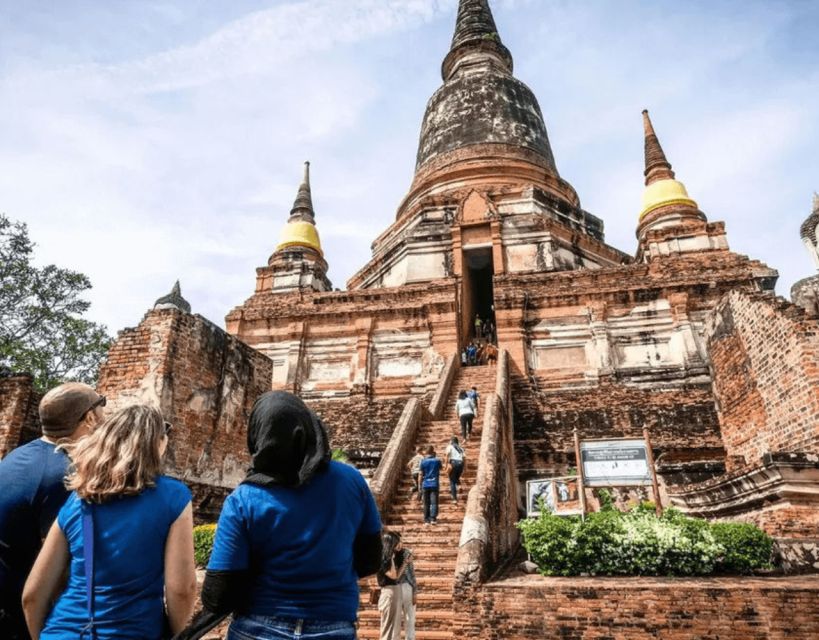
{"x":19,"y":420}
{"x":679,"y":420}
{"x":765,"y":360}
{"x":360,"y":425}
{"x":639,"y":608}
{"x":205,"y":382}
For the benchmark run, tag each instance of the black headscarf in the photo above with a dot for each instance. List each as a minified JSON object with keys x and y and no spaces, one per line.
{"x":287,"y":441}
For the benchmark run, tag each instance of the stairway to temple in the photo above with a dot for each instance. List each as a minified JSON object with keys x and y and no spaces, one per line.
{"x":435,"y":547}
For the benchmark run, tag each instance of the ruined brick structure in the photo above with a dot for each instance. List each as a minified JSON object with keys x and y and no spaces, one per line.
{"x":19,"y":420}
{"x":678,"y":334}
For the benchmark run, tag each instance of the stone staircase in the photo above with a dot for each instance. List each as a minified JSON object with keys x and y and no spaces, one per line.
{"x":435,"y":547}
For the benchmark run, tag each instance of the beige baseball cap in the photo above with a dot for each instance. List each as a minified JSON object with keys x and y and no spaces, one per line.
{"x":62,"y":408}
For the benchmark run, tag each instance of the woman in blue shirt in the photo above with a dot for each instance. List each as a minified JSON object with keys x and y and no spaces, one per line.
{"x":142,"y":540}
{"x":294,"y":537}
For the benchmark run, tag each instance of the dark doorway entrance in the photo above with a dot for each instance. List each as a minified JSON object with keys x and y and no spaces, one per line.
{"x":478,"y":294}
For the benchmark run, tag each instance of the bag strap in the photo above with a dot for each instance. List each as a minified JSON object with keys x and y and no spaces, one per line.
{"x":88,"y":557}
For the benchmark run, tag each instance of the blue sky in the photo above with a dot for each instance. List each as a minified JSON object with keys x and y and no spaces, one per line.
{"x":148,"y":141}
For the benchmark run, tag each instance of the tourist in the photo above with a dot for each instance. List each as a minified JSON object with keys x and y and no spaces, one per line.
{"x":466,"y":413}
{"x":32,"y":492}
{"x":127,"y":530}
{"x":472,"y":353}
{"x":455,"y":461}
{"x":478,"y":327}
{"x":415,"y":471}
{"x":392,"y":575}
{"x":464,"y":357}
{"x":473,"y":395}
{"x":294,"y":537}
{"x":409,"y":588}
{"x":431,"y":471}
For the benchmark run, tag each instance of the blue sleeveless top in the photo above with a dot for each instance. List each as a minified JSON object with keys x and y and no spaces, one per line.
{"x":129,"y":564}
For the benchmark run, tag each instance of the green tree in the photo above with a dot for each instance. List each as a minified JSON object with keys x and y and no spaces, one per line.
{"x":42,"y":331}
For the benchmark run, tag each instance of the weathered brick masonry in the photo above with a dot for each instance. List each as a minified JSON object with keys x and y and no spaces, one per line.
{"x":765,"y":358}
{"x":205,"y":382}
{"x":19,"y":420}
{"x":359,"y":425}
{"x":641,"y":608}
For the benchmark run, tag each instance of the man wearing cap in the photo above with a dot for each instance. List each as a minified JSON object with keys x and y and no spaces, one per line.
{"x":32,"y":493}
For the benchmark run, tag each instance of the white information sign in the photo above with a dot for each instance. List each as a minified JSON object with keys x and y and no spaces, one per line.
{"x":615,"y":463}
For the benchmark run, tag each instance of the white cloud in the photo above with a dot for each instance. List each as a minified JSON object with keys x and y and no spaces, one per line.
{"x":183,"y":161}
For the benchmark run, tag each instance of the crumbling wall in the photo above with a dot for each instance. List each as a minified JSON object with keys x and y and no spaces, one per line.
{"x":765,"y":361}
{"x":205,"y":382}
{"x":19,"y":419}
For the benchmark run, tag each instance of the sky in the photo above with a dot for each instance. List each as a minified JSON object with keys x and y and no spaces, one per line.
{"x":148,"y":141}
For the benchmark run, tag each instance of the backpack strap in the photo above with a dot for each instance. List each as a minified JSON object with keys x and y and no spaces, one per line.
{"x":88,"y":561}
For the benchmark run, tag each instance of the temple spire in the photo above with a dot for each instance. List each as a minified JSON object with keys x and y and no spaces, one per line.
{"x":474,"y":21}
{"x":476,"y":32}
{"x":303,"y":205}
{"x":657,"y":165}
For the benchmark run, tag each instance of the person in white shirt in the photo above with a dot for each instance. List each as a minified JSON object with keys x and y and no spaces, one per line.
{"x":466,"y":413}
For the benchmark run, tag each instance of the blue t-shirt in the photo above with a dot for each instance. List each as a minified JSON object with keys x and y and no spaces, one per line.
{"x":31,"y":494}
{"x":298,"y":543}
{"x":129,"y":564}
{"x":431,"y":470}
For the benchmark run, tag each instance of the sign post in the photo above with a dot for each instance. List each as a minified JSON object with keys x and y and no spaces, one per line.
{"x":654,"y":484}
{"x":581,"y":482}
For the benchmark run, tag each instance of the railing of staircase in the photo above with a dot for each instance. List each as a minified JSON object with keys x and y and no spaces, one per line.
{"x":489,"y":533}
{"x":438,"y":402}
{"x":387,"y":476}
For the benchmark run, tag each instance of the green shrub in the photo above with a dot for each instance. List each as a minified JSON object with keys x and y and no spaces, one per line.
{"x":203,"y":543}
{"x":746,"y":547}
{"x":551,"y":538}
{"x":639,"y":543}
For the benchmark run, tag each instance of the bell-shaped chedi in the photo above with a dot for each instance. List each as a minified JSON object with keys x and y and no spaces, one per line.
{"x":671,"y":222}
{"x":805,"y":292}
{"x":298,"y":261}
{"x":808,"y":231}
{"x":666,"y":201}
{"x":483,"y":123}
{"x":485,"y":179}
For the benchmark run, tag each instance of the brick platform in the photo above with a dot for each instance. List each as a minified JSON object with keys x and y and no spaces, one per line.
{"x":639,"y":608}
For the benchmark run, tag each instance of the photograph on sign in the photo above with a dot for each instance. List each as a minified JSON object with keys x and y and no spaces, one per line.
{"x":615,"y":463}
{"x":560,"y":496}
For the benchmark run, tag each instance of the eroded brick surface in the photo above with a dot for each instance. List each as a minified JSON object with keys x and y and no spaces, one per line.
{"x":765,"y":356}
{"x":642,"y":608}
{"x":19,"y":420}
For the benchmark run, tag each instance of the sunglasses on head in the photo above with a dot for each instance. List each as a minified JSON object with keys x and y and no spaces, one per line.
{"x":99,"y":402}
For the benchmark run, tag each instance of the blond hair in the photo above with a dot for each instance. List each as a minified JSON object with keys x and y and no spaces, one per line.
{"x":120,"y":458}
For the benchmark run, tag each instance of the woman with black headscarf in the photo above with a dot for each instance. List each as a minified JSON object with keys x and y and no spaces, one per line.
{"x":294,"y":537}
